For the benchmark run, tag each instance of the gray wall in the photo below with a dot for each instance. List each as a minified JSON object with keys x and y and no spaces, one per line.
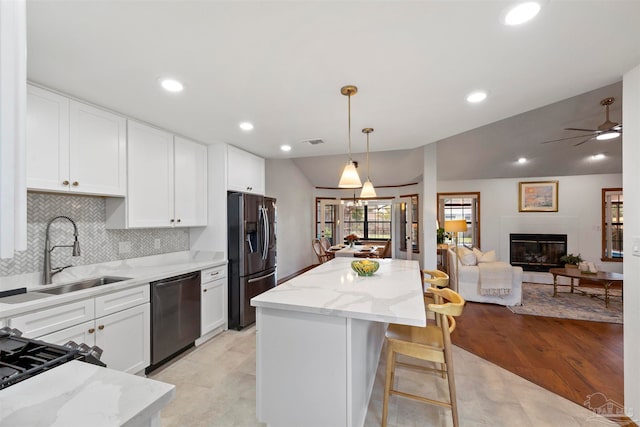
{"x":97,"y":244}
{"x":295,"y":202}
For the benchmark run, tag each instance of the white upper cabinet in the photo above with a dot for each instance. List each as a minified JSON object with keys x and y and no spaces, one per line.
{"x":73,"y":147}
{"x":167,"y":182}
{"x":97,"y":151}
{"x":150,"y":171}
{"x":190,"y":182}
{"x":47,"y":140}
{"x":245,"y":171}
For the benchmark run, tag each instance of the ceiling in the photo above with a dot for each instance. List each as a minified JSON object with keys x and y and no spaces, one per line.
{"x":281,"y":65}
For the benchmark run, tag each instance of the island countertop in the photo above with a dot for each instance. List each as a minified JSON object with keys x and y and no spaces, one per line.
{"x":392,"y":295}
{"x":81,"y":394}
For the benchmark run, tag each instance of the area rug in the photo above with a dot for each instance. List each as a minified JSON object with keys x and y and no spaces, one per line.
{"x":538,"y":300}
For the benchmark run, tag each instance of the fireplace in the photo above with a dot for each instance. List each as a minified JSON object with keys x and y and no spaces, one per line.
{"x":537,"y":252}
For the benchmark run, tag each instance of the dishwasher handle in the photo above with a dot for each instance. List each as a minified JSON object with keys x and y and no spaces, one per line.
{"x":173,"y":280}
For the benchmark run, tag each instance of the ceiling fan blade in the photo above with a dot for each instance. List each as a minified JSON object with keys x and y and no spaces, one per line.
{"x":570,"y":137}
{"x":582,"y":142}
{"x":583,"y":130}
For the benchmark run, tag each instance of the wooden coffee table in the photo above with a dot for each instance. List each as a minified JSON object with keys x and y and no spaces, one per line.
{"x":604,"y":278}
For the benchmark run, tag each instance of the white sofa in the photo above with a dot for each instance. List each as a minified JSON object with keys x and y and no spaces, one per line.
{"x":468,"y":283}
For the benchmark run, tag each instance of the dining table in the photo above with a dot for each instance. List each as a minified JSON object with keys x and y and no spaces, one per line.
{"x":348,"y":251}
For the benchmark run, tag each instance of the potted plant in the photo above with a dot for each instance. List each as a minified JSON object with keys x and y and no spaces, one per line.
{"x":571,"y":260}
{"x":351,"y":238}
{"x":442,"y":235}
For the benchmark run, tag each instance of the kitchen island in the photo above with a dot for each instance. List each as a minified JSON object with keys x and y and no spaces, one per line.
{"x":319,"y":338}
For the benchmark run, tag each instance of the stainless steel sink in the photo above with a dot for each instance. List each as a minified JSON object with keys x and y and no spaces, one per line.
{"x":84,"y":284}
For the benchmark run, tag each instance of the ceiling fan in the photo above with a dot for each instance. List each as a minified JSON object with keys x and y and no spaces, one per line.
{"x":607,"y":130}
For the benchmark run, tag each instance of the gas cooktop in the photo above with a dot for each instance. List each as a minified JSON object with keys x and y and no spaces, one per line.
{"x":22,"y":358}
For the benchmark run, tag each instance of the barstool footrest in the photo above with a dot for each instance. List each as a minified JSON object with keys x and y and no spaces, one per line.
{"x":421,"y":398}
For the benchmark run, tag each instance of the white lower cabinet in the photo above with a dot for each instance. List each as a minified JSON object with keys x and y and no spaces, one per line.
{"x":213,"y":312}
{"x":120,"y":324}
{"x":125,"y":339}
{"x":213,"y":305}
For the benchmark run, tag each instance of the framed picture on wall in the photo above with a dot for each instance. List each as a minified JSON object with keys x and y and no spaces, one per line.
{"x":538,"y":196}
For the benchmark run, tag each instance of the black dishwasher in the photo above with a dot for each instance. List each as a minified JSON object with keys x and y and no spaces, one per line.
{"x":175,"y":316}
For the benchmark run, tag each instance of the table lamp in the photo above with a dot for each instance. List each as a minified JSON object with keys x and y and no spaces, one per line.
{"x":455,"y":226}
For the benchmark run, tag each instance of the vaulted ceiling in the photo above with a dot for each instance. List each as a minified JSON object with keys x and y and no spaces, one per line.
{"x":280,"y":65}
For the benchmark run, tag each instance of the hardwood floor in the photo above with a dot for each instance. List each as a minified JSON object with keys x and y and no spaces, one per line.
{"x":572,"y":358}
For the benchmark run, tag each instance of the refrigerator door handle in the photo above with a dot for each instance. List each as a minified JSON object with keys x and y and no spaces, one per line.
{"x":261,"y":277}
{"x":265,"y":228}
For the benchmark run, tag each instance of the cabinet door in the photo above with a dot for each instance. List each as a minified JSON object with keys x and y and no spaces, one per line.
{"x":125,"y":339}
{"x":97,"y":161}
{"x":190,"y":183}
{"x":214,"y":305}
{"x":245,"y":171}
{"x":150,"y":174}
{"x":82,"y":333}
{"x":47,"y":140}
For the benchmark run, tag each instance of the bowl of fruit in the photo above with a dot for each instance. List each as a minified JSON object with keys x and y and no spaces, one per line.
{"x":365,"y":267}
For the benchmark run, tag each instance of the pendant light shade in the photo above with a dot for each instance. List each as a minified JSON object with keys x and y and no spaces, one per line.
{"x":350,"y":177}
{"x":367,"y":189}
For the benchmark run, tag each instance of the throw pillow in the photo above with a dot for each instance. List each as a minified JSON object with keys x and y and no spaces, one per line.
{"x":489,"y":256}
{"x":466,"y":256}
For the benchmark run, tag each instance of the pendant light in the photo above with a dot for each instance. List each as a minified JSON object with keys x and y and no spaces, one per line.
{"x":349,"y":178}
{"x":367,"y":188}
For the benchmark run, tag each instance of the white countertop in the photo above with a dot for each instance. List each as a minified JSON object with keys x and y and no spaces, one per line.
{"x":393,"y":294}
{"x":140,"y":270}
{"x":81,"y":394}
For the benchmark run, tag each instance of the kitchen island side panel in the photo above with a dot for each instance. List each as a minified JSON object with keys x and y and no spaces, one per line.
{"x":296,"y":348}
{"x":334,"y":358}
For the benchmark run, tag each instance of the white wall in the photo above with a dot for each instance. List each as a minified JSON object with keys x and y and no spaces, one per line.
{"x":631,"y":157}
{"x":213,"y":237}
{"x":429,"y":207}
{"x":295,"y":202}
{"x":579,"y":213}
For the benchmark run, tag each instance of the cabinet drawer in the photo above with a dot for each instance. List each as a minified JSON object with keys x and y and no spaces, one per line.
{"x":80,"y":334}
{"x":213,"y":274}
{"x":118,"y":301}
{"x":54,"y":319}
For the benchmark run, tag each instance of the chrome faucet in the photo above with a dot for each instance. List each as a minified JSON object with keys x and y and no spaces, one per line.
{"x":49,"y":272}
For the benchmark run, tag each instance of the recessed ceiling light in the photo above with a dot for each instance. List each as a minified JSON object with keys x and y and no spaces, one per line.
{"x":522,"y":160}
{"x":522,"y":13}
{"x":285,"y":147}
{"x":171,"y":85}
{"x":607,"y":135}
{"x":246,"y":126}
{"x":598,"y":156}
{"x":477,"y":96}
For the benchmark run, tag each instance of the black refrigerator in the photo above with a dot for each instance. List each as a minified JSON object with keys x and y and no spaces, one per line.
{"x":252,"y":253}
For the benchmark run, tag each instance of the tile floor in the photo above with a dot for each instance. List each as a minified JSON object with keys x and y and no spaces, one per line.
{"x":215,"y":387}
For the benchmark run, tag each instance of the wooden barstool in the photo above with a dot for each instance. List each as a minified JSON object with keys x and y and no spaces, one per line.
{"x":431,"y":343}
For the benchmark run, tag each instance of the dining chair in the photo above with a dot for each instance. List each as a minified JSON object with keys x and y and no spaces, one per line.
{"x":430,"y":343}
{"x":322,"y":255}
{"x":326,"y":244}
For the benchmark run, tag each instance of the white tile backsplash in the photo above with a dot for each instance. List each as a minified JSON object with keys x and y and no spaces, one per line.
{"x":97,"y":244}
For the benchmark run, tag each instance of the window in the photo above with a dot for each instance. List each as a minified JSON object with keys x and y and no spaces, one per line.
{"x":414,"y":225}
{"x":330,"y":221}
{"x":371,"y":221}
{"x":612,"y":224}
{"x":461,"y":206}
